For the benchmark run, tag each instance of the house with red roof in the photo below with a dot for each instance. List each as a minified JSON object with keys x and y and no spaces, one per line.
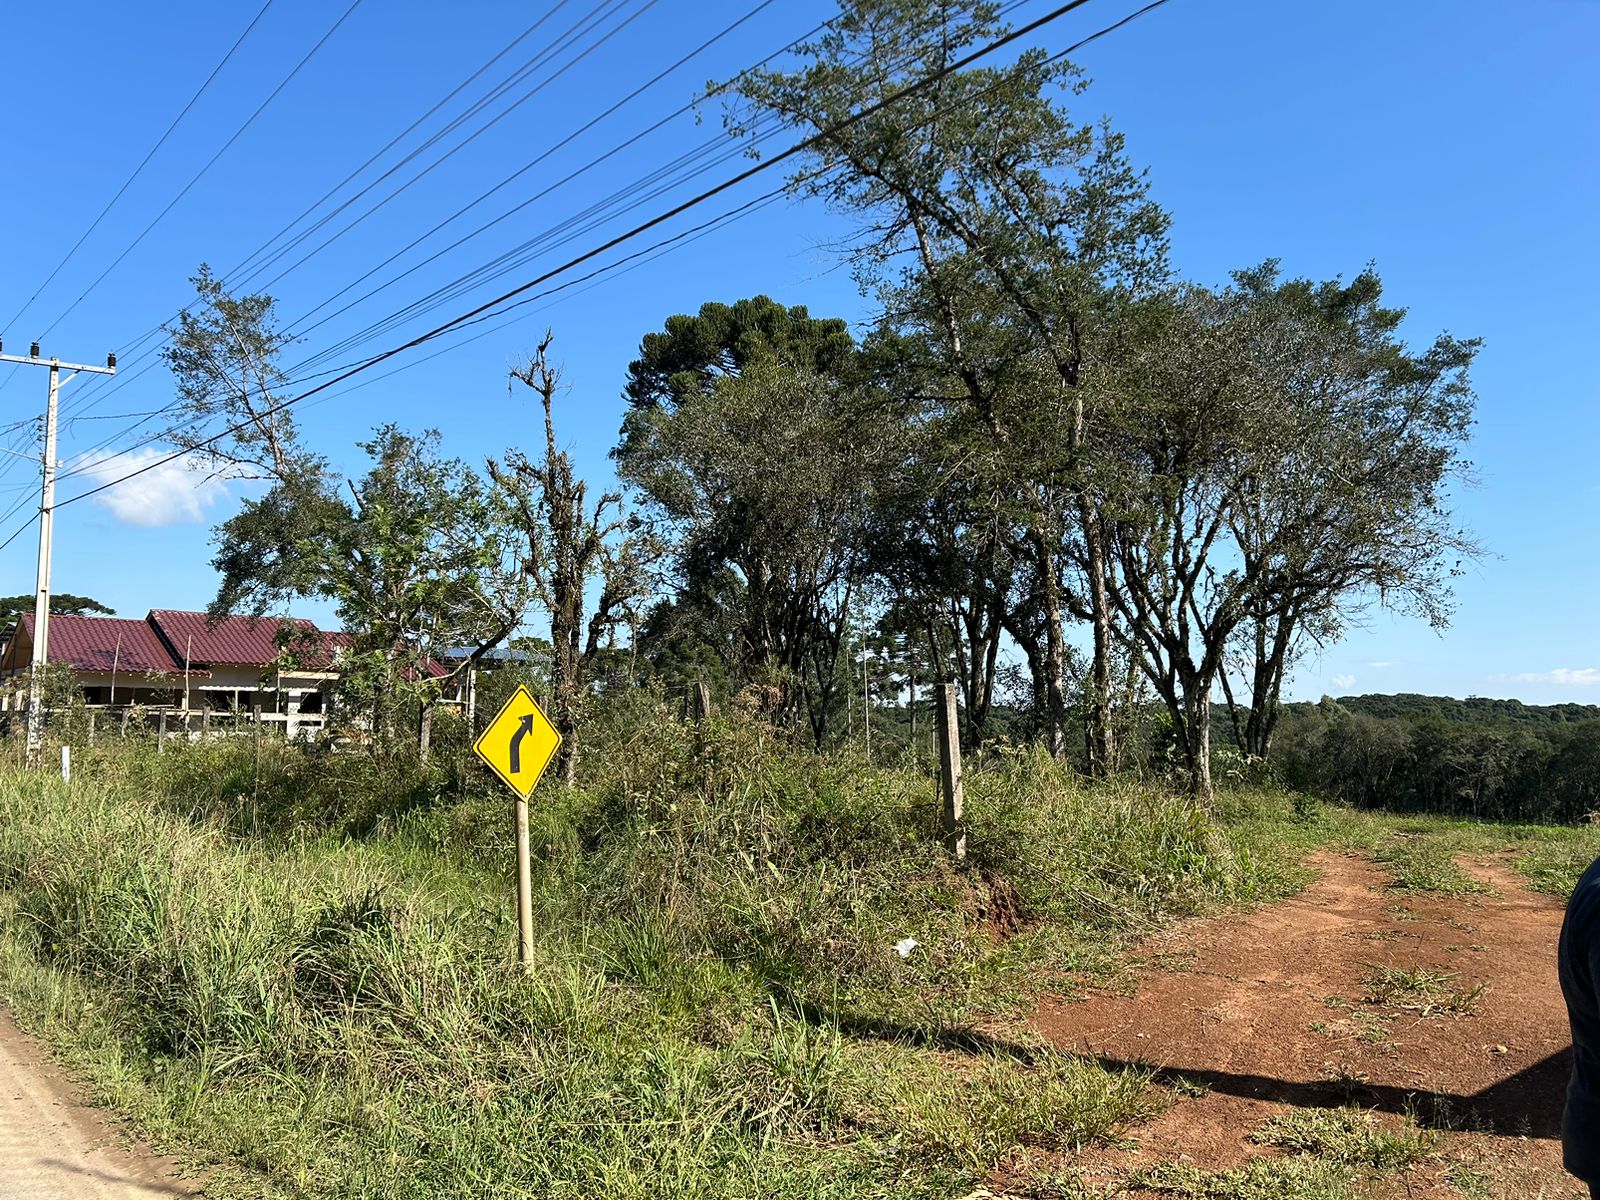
{"x":278,"y":670}
{"x":190,"y":669}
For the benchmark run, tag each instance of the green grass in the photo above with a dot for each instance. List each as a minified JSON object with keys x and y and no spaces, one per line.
{"x":1350,"y":1136}
{"x":1294,"y":1178}
{"x":1421,"y":863}
{"x":1425,"y":992}
{"x":1330,"y":1154}
{"x":1553,"y":858}
{"x":1468,"y":1182}
{"x":330,"y":1007}
{"x":988,"y":1113}
{"x":300,"y":967}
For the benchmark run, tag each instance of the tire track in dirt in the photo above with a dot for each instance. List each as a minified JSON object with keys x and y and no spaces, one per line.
{"x":54,"y":1148}
{"x":1275,"y":1009}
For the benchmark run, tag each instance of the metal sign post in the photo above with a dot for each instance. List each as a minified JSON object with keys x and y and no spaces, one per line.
{"x":517,"y":746}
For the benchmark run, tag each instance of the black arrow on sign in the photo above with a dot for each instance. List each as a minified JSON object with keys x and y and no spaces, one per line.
{"x":523,"y":731}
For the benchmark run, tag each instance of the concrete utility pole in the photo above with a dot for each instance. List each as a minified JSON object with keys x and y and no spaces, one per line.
{"x":47,"y":512}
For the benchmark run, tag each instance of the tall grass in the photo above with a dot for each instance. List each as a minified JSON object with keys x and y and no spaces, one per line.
{"x":296,"y":965}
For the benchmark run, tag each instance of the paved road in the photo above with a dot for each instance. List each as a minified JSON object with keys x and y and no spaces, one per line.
{"x":54,"y":1148}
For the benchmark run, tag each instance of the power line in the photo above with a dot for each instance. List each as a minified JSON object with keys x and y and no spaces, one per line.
{"x":523,"y":170}
{"x":392,"y":320}
{"x":792,"y":151}
{"x":84,"y":400}
{"x":548,"y":239}
{"x":155,"y":330}
{"x":480,"y":314}
{"x":398,"y":138}
{"x":598,"y":13}
{"x":512,"y":259}
{"x":500,"y":116}
{"x":442,"y":295}
{"x":143,"y":163}
{"x":634,"y":261}
{"x":237,"y":134}
{"x":596,"y":215}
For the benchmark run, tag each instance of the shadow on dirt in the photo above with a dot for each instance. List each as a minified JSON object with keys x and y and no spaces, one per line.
{"x":1526,"y":1104}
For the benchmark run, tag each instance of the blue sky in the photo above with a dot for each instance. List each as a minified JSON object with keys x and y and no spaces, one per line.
{"x":1452,"y":144}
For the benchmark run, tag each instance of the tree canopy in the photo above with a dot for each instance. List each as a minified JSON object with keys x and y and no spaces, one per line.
{"x":62,"y":604}
{"x":1094,"y":494}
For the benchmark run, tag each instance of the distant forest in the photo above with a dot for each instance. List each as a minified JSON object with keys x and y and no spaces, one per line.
{"x":1477,"y":710}
{"x":1479,"y":757}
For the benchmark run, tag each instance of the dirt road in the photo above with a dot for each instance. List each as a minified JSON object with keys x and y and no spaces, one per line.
{"x":54,"y":1148}
{"x":1441,"y":1009}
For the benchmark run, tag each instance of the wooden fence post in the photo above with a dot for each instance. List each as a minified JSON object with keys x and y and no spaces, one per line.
{"x":700,"y":701}
{"x":950,"y":790}
{"x":161,"y":732}
{"x":524,"y":886}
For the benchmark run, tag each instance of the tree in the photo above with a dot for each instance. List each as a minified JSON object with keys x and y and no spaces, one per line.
{"x":1016,"y":220}
{"x":223,"y":352}
{"x":411,"y":554}
{"x":1280,"y":457}
{"x":570,"y":546}
{"x":1352,"y":507}
{"x":939,"y":546}
{"x":722,"y":340}
{"x":62,"y":604}
{"x":759,"y":454}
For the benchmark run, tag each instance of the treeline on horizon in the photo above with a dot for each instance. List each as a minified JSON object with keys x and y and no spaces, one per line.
{"x":1480,"y":710}
{"x":1481,"y":757}
{"x":1499,"y":760}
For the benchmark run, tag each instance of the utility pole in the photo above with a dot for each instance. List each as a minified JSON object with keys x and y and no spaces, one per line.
{"x":47,"y":512}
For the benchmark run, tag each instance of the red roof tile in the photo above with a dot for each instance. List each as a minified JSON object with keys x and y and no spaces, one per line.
{"x":106,"y":643}
{"x":238,"y":641}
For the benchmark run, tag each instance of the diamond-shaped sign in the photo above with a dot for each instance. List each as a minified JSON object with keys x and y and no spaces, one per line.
{"x":519,"y":742}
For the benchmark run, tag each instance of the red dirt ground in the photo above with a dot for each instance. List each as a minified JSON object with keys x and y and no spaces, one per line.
{"x":1268,"y":1011}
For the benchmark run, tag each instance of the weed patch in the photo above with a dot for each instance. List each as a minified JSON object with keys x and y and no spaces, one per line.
{"x":981,"y":1114}
{"x":1425,"y":992}
{"x":1294,"y":1178}
{"x":1353,"y":1137}
{"x":1424,"y":864}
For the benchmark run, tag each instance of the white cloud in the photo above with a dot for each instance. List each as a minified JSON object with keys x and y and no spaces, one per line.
{"x":174,"y":493}
{"x":1344,"y":682}
{"x":1563,"y":677}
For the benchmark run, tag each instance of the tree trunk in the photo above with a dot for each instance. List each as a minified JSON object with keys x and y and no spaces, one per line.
{"x":1051,"y":672}
{"x":383,"y":713}
{"x":983,"y":637}
{"x":562,"y":698}
{"x":1195,"y":736}
{"x":424,"y":732}
{"x":1100,"y":734}
{"x":1055,"y":666}
{"x":911,"y":706}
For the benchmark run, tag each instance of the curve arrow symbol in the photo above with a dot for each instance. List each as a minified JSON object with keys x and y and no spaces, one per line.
{"x":523,"y":730}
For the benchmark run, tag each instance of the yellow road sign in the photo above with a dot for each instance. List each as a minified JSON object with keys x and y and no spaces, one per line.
{"x":519,"y":742}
